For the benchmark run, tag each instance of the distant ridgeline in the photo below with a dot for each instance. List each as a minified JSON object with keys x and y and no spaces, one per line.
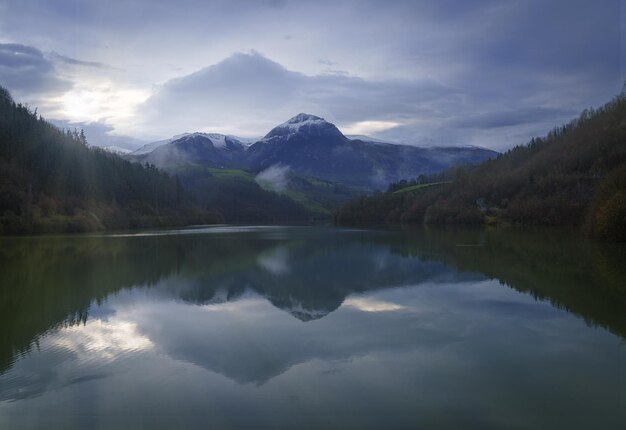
{"x":310,"y":147}
{"x":576,"y":175}
{"x":51,"y":181}
{"x":306,"y":160}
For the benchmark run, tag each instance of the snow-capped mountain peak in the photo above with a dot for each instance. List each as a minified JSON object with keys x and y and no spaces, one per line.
{"x":218,"y":140}
{"x":295,"y":123}
{"x":303,"y":123}
{"x":303,"y":118}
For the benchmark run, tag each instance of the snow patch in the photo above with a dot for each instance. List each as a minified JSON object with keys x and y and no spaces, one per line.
{"x":146,"y":149}
{"x":117,"y":150}
{"x":218,"y":140}
{"x":295,"y":124}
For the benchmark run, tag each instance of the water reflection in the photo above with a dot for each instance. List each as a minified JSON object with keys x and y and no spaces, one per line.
{"x":410,"y":327}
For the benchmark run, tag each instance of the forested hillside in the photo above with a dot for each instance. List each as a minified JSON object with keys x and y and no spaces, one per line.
{"x":51,"y":181}
{"x":576,"y":175}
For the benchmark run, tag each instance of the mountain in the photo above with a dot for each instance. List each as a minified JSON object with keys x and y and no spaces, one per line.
{"x":314,"y":147}
{"x":208,"y":149}
{"x":311,"y":147}
{"x":576,"y":175}
{"x":305,"y":126}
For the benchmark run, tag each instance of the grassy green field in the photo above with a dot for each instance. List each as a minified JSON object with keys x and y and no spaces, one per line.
{"x":230,"y":174}
{"x":311,"y":205}
{"x":418,"y":187}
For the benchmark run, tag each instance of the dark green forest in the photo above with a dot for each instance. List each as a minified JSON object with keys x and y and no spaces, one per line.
{"x":238,"y":198}
{"x":52,"y":181}
{"x":576,"y":175}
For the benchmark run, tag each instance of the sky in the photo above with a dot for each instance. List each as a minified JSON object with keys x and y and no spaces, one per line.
{"x":490,"y":73}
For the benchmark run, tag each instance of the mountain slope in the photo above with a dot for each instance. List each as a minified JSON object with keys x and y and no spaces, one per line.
{"x":208,"y":149}
{"x":574,"y":175}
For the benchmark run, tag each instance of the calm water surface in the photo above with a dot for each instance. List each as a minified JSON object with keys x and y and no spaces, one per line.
{"x":313,"y":327}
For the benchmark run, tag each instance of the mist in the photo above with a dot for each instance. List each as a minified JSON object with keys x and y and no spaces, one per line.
{"x":275,"y":178}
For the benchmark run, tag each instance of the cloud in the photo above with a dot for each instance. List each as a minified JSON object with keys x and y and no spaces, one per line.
{"x":327,"y":62}
{"x":74,"y":62}
{"x":366,"y":304}
{"x":509,"y":118}
{"x":100,"y":134}
{"x":482,"y":58}
{"x":71,"y":92}
{"x":25,"y":70}
{"x":251,"y":93}
{"x":369,"y":127}
{"x":275,"y":177}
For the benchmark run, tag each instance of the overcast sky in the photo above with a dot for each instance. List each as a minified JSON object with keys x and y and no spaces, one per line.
{"x":491,"y":73}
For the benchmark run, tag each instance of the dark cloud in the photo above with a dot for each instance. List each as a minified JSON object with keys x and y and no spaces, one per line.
{"x":509,"y":118}
{"x":25,"y":70}
{"x":74,"y":62}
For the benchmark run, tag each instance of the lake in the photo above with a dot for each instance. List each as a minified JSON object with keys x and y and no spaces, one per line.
{"x":313,"y":327}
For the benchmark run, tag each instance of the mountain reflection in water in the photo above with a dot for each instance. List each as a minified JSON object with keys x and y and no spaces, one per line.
{"x":273,"y":305}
